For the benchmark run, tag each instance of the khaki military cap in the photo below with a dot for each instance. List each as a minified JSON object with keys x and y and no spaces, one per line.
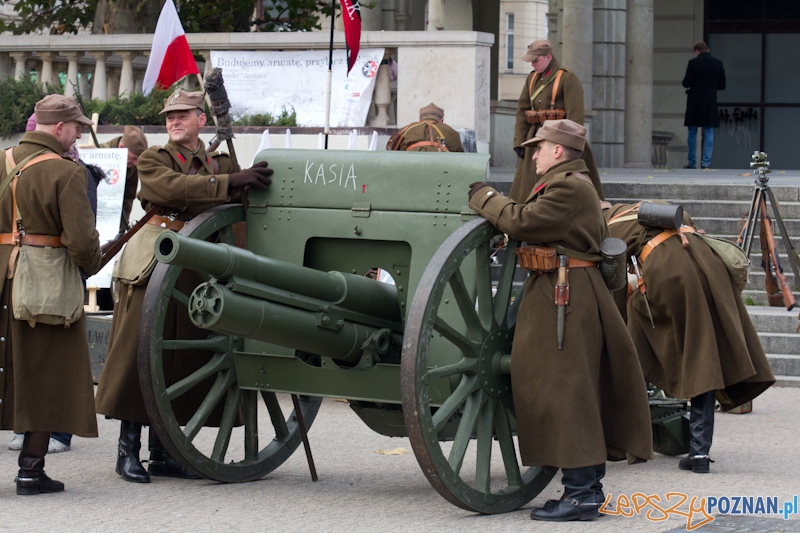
{"x":431,"y":111}
{"x":134,"y":140}
{"x":55,"y":108}
{"x":542,"y":47}
{"x":182,"y":100}
{"x":564,"y":132}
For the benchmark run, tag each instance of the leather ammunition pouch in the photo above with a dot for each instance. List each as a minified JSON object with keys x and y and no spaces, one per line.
{"x":537,"y":259}
{"x":538,"y":117}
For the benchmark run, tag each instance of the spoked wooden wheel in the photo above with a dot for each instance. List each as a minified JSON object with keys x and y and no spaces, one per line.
{"x":458,"y":332}
{"x":251,"y":436}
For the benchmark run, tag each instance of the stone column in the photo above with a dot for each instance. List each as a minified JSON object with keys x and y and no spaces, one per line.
{"x":20,"y":60}
{"x":372,"y":19}
{"x":126,"y":84}
{"x":387,"y":12}
{"x":401,"y":15}
{"x":435,"y":15}
{"x":47,"y":67}
{"x":83,"y":84}
{"x":206,"y":54}
{"x":639,"y":84}
{"x":72,"y":72}
{"x":5,"y":64}
{"x":382,"y":97}
{"x":100,"y":80}
{"x":113,"y":82}
{"x":577,"y":37}
{"x":138,"y":82}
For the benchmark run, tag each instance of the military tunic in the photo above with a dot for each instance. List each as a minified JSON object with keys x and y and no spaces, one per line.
{"x":131,"y":184}
{"x":569,"y":97}
{"x":703,"y":338}
{"x":419,"y":132}
{"x":165,"y":181}
{"x":577,"y":405}
{"x":45,"y":376}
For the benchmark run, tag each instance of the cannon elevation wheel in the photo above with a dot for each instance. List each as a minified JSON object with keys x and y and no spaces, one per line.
{"x":459,"y":332}
{"x":251,"y":436}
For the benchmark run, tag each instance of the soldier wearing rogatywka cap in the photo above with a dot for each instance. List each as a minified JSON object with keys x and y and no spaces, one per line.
{"x":45,"y":376}
{"x":134,"y":139}
{"x":430,"y":134}
{"x":583,"y":401}
{"x":550,"y":92}
{"x":183,"y":180}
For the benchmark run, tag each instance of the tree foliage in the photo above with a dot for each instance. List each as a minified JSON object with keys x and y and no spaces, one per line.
{"x":19,"y":98}
{"x":140,"y":16}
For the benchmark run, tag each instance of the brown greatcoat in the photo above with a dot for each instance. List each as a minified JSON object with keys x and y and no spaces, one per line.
{"x":46,"y":379}
{"x":569,"y":98}
{"x":421,"y":131}
{"x":703,"y":338}
{"x":165,"y":182}
{"x":584,"y":403}
{"x":131,"y":184}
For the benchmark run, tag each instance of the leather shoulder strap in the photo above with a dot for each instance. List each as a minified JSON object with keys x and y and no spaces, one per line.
{"x":618,"y":216}
{"x":555,"y":88}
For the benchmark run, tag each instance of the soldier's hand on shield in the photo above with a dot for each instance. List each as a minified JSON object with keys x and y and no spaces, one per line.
{"x":475,"y":187}
{"x":257,"y":176}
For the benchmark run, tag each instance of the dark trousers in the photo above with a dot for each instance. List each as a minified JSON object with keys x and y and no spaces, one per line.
{"x":31,"y":458}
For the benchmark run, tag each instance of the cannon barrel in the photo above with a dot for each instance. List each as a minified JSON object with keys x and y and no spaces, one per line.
{"x":215,"y":307}
{"x":221,"y":261}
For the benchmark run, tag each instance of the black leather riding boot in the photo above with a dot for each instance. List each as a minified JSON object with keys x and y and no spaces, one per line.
{"x":130,"y":442}
{"x":599,"y":473}
{"x":701,"y":426}
{"x":163,"y":464}
{"x":580,"y":498}
{"x":31,"y":478}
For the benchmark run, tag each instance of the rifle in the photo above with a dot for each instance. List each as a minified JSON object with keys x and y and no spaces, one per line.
{"x":119,"y":242}
{"x":770,"y":283}
{"x":79,"y":99}
{"x":786,"y":290}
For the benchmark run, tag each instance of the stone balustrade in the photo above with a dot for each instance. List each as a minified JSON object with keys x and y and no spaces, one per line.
{"x":450,"y":68}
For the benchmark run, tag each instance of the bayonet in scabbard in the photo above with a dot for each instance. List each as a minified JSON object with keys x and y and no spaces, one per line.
{"x":642,"y":288}
{"x":562,"y":297}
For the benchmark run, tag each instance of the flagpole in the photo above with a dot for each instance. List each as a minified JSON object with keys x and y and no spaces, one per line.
{"x":330,"y":77}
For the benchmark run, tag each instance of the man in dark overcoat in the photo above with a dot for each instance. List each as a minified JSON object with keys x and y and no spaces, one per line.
{"x":430,"y":134}
{"x":548,"y":76}
{"x":703,"y":341}
{"x":705,"y":76}
{"x":585,"y":401}
{"x":184,"y":180}
{"x":46,"y":380}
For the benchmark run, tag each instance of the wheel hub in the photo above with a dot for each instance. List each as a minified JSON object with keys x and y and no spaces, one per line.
{"x":494,"y":383}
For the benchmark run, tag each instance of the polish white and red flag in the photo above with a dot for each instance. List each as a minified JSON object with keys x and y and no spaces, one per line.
{"x":170,"y":58}
{"x":351,"y":16}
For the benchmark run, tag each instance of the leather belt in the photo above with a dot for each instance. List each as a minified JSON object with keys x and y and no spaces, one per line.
{"x":580,"y":263}
{"x":661,"y":237}
{"x":166,"y":222}
{"x":48,"y":241}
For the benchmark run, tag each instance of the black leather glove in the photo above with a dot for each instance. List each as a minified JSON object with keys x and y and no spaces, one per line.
{"x":520,"y":151}
{"x":475,"y":187}
{"x":257,"y":176}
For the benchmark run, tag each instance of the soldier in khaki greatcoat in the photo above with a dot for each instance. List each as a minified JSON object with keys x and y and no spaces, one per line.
{"x":552,"y":89}
{"x":702,"y":341}
{"x":430,"y":134}
{"x":134,"y":140}
{"x":45,"y":375}
{"x":585,"y":401}
{"x":184,"y":180}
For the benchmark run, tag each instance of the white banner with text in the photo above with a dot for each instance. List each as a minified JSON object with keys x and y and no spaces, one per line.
{"x":269,"y":82}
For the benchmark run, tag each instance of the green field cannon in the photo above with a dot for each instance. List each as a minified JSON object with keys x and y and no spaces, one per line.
{"x":281,"y":305}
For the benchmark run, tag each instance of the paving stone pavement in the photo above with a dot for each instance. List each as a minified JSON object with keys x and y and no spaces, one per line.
{"x":361,"y":490}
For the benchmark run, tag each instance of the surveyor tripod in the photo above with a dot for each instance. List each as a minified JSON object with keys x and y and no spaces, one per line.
{"x":758,"y":211}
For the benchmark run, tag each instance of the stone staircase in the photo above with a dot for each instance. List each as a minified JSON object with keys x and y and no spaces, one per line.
{"x":718,"y":208}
